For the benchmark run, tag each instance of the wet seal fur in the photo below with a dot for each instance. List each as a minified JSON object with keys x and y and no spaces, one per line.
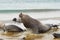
{"x":35,"y":25}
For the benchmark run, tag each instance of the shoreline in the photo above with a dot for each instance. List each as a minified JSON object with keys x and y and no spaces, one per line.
{"x":29,"y":10}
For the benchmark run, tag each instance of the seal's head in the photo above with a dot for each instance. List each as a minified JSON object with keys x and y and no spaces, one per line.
{"x":20,"y":15}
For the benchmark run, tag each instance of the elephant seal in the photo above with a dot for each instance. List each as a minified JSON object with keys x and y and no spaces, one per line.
{"x":13,"y":28}
{"x":35,"y":25}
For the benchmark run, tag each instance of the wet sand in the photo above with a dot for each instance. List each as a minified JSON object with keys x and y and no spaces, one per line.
{"x":28,"y":35}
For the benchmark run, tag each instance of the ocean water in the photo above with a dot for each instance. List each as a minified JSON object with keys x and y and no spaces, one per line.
{"x":35,"y":13}
{"x":8,"y":15}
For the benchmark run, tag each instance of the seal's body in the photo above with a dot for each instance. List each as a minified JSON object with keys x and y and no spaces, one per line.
{"x":12,"y":28}
{"x":35,"y":25}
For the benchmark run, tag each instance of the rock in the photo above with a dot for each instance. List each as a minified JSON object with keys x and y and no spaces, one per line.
{"x":56,"y":35}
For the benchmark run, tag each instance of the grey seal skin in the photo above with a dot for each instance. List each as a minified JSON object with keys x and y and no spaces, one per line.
{"x":13,"y":28}
{"x":36,"y":26}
